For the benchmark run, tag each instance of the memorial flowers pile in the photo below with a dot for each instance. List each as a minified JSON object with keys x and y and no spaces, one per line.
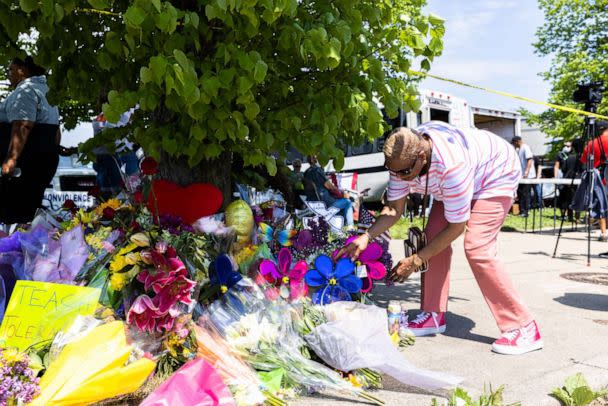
{"x":221,"y":288}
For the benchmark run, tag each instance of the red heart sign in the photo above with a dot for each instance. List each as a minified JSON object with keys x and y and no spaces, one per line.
{"x":190,"y":203}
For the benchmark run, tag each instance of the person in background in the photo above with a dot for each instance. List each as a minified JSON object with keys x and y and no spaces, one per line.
{"x":538,"y":195}
{"x":296,"y":178}
{"x":526,"y":158}
{"x":29,"y":141}
{"x":109,"y":166}
{"x":567,"y":166}
{"x":321,"y":188}
{"x":472,"y":175}
{"x":599,"y":147}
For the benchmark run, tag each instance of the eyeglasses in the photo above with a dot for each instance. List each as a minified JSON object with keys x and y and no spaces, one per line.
{"x":402,"y":172}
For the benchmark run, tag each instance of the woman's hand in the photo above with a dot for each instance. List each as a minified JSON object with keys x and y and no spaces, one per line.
{"x":8,"y":167}
{"x":403,"y":270}
{"x":354,"y":249}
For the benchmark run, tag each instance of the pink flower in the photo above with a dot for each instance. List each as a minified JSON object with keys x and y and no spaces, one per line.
{"x":284,"y":275}
{"x":143,"y":314}
{"x":146,"y":315}
{"x":177,"y":290}
{"x":369,"y":259}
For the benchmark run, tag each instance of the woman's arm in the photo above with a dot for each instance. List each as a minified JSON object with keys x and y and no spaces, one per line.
{"x":388,"y":217}
{"x":19,"y":134}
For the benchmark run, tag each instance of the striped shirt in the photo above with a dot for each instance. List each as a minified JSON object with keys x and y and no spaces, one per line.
{"x":466,"y":165}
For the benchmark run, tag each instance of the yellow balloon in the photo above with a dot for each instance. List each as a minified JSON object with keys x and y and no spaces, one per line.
{"x":240,"y":217}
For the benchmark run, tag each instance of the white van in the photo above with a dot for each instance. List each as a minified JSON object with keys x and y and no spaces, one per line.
{"x":72,"y":181}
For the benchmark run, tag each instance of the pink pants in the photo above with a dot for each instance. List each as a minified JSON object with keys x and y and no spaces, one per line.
{"x":487,"y":217}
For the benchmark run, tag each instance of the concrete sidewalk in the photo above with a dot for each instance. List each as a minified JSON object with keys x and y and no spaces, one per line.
{"x":573,"y":318}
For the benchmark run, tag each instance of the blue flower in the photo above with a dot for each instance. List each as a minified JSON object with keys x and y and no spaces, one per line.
{"x":222,"y":273}
{"x":336,"y":283}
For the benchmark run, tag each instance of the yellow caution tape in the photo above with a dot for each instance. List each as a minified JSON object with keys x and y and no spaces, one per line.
{"x":95,"y":11}
{"x":513,"y":96}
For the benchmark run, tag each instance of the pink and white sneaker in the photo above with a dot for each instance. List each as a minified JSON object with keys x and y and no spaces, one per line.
{"x":427,"y":323}
{"x":519,"y":341}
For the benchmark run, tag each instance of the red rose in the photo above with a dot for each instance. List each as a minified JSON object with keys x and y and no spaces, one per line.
{"x":135,"y":226}
{"x":138,"y":197}
{"x":70,"y":205}
{"x":108,"y":213}
{"x":149,"y":166}
{"x":95,"y":191}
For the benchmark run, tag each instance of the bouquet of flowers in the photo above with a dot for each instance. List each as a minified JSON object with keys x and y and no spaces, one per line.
{"x":262,"y":333}
{"x":18,"y":382}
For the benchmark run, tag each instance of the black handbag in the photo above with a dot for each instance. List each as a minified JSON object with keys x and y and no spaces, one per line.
{"x":417,"y":240}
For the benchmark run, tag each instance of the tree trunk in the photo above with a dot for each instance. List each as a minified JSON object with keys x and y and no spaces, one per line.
{"x":216,"y":172}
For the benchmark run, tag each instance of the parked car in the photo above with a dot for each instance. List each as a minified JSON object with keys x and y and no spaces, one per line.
{"x":73,"y":180}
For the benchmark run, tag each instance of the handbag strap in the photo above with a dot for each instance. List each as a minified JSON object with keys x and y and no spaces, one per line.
{"x":424,"y":200}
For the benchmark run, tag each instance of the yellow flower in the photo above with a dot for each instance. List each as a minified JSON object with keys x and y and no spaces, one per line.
{"x":118,"y":263}
{"x":127,"y":249}
{"x":118,"y":281}
{"x":111,"y":203}
{"x":140,"y":239}
{"x":12,"y":356}
{"x":85,"y":218}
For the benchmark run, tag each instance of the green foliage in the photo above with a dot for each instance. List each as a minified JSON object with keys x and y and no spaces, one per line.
{"x":576,"y":392}
{"x":460,"y":397}
{"x":246,"y":76}
{"x":575,"y":35}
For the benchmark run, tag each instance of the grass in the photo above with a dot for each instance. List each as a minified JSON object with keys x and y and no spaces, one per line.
{"x":512,"y":223}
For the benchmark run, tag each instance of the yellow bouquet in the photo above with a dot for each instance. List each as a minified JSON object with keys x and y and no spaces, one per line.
{"x":92,"y":368}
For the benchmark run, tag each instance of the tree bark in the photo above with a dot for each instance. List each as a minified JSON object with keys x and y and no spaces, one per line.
{"x":216,"y":172}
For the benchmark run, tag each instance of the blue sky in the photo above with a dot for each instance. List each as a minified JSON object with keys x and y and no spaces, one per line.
{"x":489,"y":43}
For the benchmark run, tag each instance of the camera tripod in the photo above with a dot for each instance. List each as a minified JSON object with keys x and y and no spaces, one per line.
{"x":589,"y":137}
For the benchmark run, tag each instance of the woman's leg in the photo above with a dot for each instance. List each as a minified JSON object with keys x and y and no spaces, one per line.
{"x":480,"y":245}
{"x":347,"y":210}
{"x":436,"y":281}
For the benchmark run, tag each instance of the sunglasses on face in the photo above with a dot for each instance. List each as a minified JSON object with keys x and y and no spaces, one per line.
{"x":402,"y":172}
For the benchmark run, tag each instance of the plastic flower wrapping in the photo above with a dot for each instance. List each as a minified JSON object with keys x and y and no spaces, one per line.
{"x":262,"y":333}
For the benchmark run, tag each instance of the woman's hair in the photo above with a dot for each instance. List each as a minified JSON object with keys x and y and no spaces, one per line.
{"x":402,"y":144}
{"x":30,"y":66}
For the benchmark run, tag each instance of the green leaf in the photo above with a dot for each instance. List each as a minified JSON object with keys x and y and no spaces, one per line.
{"x":197,"y":133}
{"x":425,"y":65}
{"x":252,"y":110}
{"x":221,"y":4}
{"x":28,"y":5}
{"x":244,"y":84}
{"x":134,"y":16}
{"x":435,"y":19}
{"x":181,"y":58}
{"x":99,"y":4}
{"x":156,"y":4}
{"x":158,"y":66}
{"x":583,"y":395}
{"x":272,"y":380}
{"x":145,"y":75}
{"x":271,"y":166}
{"x":574,"y":382}
{"x":259,"y":72}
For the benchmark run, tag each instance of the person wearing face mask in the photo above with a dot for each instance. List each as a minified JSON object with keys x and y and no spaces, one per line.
{"x":29,"y":140}
{"x":567,"y":166}
{"x":473,"y":176}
